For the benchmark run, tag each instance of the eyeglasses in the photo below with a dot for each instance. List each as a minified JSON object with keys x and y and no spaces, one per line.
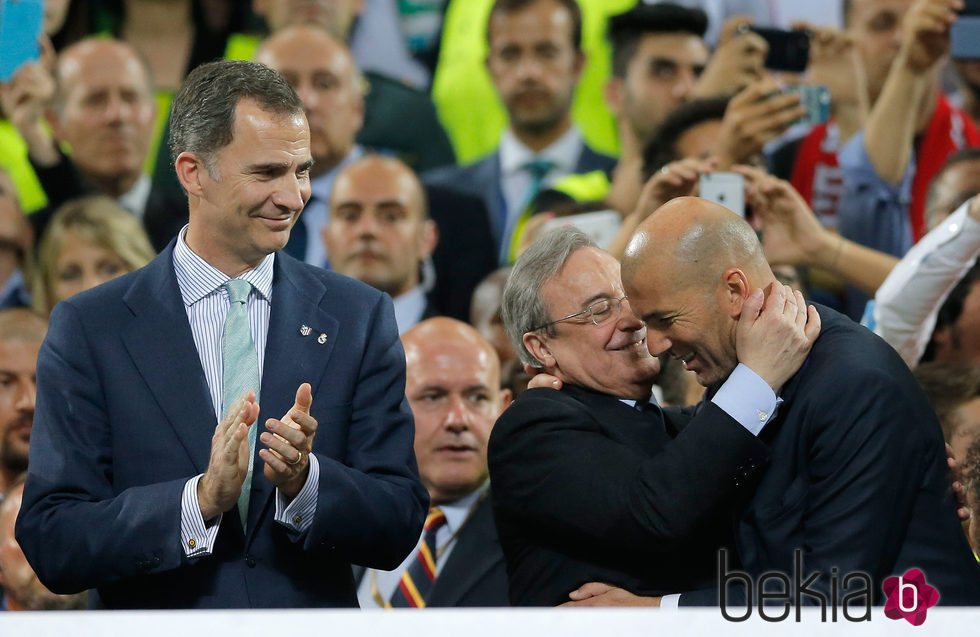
{"x":599,"y":312}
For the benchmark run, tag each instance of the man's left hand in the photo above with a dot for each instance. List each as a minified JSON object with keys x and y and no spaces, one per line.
{"x":290,"y":442}
{"x":600,"y":594}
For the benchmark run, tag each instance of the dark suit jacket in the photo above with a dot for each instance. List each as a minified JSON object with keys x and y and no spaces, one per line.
{"x":475,"y":574}
{"x":586,"y":488}
{"x":858,"y":476}
{"x":124,"y":419}
{"x":482,"y":179}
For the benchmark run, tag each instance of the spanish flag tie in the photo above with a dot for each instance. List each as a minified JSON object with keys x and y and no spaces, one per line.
{"x":417,"y":580}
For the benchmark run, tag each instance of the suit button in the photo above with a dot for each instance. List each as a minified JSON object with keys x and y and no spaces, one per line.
{"x":250,"y":561}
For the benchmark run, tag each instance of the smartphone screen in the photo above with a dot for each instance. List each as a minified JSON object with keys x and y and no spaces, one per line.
{"x":21,"y":22}
{"x":724,"y":188}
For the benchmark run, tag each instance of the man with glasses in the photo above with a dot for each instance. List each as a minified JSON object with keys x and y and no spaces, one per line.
{"x":595,"y":483}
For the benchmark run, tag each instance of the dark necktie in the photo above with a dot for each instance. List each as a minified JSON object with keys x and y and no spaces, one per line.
{"x":417,"y":580}
{"x":653,"y":412}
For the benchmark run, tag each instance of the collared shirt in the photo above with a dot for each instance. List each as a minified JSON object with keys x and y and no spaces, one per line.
{"x":457,"y":513}
{"x":409,"y":308}
{"x":316,"y":214}
{"x":206,"y":303}
{"x":516,"y":181}
{"x":134,"y":200}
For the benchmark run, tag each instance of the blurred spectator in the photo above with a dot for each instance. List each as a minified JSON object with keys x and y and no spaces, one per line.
{"x":322,"y":71}
{"x":452,"y":382}
{"x":485,"y":316}
{"x":473,"y":112}
{"x":971,"y":479}
{"x":957,"y":181}
{"x":953,"y":390}
{"x":103,"y":109}
{"x":380,"y":233}
{"x":371,"y":27}
{"x":89,"y":241}
{"x":21,"y":588}
{"x":16,"y":241}
{"x":719,"y":11}
{"x":911,"y":128}
{"x":397,"y":117}
{"x":421,"y":23}
{"x":535,"y":61}
{"x":21,"y":333}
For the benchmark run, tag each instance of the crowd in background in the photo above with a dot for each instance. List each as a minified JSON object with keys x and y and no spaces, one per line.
{"x":449,"y":135}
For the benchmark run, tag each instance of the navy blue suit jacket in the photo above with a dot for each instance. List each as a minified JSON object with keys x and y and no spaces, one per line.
{"x":482,"y":179}
{"x":124,"y":418}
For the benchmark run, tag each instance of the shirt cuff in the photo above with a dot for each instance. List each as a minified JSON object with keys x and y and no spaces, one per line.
{"x":196,"y":537}
{"x":748,"y":399}
{"x":670,"y":602}
{"x":297,"y":515}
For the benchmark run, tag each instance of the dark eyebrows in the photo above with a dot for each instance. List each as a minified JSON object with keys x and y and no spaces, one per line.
{"x":592,"y":299}
{"x":306,"y":165}
{"x":271,"y":167}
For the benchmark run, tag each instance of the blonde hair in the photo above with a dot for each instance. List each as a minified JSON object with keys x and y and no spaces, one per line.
{"x":98,"y":220}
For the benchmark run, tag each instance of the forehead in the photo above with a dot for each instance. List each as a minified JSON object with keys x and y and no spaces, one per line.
{"x":450,"y":363}
{"x":259,"y":135}
{"x":374,"y":183}
{"x":545,"y":20}
{"x":962,"y":177}
{"x":305,"y":51}
{"x":18,"y":356}
{"x":682,"y":48}
{"x":102,"y":65}
{"x":588,"y":274}
{"x":699,"y":140}
{"x":866,"y":9}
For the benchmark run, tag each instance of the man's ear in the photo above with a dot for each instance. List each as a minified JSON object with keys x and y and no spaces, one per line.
{"x":579,"y":64}
{"x":942,"y":341}
{"x":190,"y":169}
{"x":505,"y":397}
{"x":538,"y":347}
{"x":54,"y":121}
{"x":613,"y":93}
{"x":428,"y":238}
{"x":733,"y":291}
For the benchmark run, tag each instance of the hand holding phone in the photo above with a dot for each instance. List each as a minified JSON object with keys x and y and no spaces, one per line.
{"x":788,"y":50}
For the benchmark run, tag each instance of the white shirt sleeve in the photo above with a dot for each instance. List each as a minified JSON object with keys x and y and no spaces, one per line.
{"x":748,"y":399}
{"x":297,"y":515}
{"x":196,"y":537}
{"x":908,"y":302}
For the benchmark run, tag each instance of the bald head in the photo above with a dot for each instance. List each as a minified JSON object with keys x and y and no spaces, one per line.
{"x":22,"y":325}
{"x":435,"y":334}
{"x":452,"y":382}
{"x":322,"y":71}
{"x":695,"y":240}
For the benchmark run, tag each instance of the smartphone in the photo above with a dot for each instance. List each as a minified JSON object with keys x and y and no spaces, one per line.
{"x":726,"y":189}
{"x":816,"y":100}
{"x":788,"y":50}
{"x":21,"y":24}
{"x":600,"y":226}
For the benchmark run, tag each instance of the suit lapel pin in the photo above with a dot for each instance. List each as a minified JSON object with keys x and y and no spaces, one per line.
{"x":305,"y":330}
{"x":322,"y":339}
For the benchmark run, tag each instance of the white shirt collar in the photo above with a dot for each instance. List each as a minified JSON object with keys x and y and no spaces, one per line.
{"x":409,"y":308}
{"x":197,"y":278}
{"x":457,"y":511}
{"x":134,"y":200}
{"x":563,"y":153}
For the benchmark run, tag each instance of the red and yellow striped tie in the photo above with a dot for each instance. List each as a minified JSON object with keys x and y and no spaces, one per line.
{"x":417,"y":580}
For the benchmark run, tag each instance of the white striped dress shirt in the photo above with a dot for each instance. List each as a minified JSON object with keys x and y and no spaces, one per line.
{"x":206,"y":302}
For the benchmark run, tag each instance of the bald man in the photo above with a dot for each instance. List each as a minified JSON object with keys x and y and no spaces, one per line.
{"x":322,"y":71}
{"x":16,"y":239}
{"x":379,"y":233}
{"x":453,"y":387}
{"x":21,"y":334}
{"x":856,"y":481}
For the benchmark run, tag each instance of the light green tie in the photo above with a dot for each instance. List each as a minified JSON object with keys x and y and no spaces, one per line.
{"x":239,"y":370}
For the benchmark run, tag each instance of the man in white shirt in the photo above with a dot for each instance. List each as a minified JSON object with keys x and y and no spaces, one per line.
{"x":453,"y":387}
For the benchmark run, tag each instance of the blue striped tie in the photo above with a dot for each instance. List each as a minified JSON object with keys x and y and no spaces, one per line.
{"x":239,"y":370}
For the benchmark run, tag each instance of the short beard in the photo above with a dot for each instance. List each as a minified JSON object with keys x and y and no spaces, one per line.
{"x":10,"y":460}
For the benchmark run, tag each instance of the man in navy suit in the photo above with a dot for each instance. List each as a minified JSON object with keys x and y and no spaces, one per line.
{"x":535,"y":59}
{"x":133,"y":491}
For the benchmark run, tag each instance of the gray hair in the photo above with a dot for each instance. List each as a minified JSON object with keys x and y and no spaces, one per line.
{"x":203,"y":117}
{"x":523,"y":308}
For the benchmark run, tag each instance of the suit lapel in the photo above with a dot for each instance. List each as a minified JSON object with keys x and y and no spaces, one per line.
{"x":160,"y":342}
{"x":291,"y":357}
{"x":472,"y":558}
